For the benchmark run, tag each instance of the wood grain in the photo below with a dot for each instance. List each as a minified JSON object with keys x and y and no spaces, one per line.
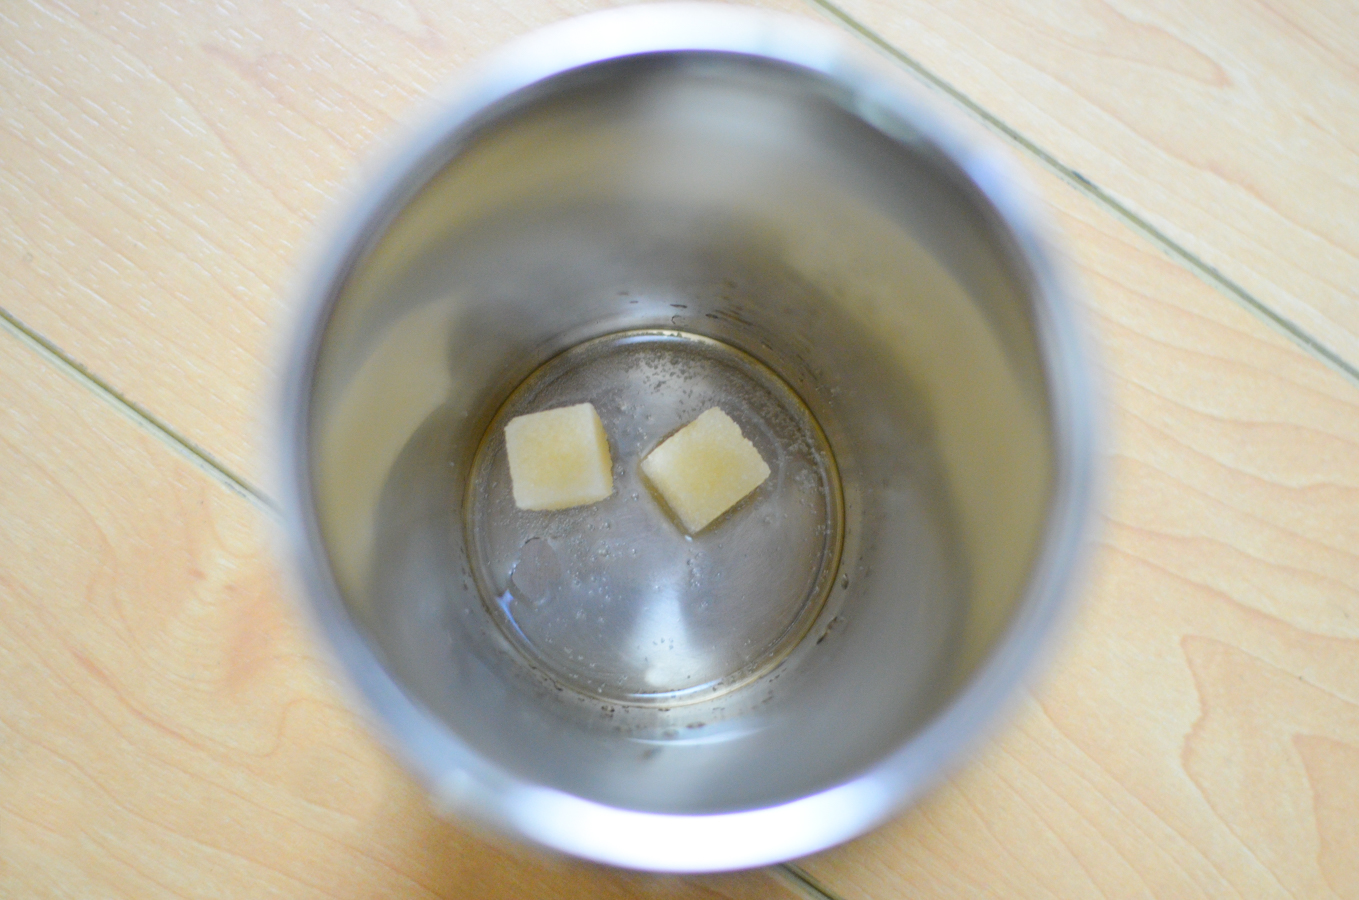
{"x":165,"y":166}
{"x":1200,"y":732}
{"x":165,"y":730}
{"x":1232,"y":126}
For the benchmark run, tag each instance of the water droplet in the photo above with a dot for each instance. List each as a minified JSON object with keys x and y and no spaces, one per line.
{"x":536,"y":573}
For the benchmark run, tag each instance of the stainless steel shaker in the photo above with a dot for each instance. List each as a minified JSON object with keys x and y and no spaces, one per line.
{"x":660,"y":208}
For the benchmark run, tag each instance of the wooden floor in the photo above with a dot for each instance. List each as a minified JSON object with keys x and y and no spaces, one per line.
{"x":166,"y":730}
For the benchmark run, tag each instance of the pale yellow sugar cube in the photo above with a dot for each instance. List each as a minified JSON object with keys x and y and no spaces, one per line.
{"x":703,"y":469}
{"x":558,"y":458}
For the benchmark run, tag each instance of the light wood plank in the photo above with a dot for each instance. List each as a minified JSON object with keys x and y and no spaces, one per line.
{"x":1199,"y":734}
{"x":165,"y":730}
{"x":165,"y":166}
{"x":1232,"y":126}
{"x":1197,"y":738}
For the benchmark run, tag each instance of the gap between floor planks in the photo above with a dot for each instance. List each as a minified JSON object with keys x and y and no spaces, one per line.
{"x":791,"y":874}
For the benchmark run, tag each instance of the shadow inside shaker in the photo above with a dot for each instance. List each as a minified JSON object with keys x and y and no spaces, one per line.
{"x":706,"y":196}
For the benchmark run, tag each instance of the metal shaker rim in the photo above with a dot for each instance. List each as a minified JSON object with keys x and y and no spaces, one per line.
{"x":462,"y":779}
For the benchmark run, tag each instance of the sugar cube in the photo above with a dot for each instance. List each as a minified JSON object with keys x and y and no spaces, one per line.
{"x":558,"y":458}
{"x":703,"y":469}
